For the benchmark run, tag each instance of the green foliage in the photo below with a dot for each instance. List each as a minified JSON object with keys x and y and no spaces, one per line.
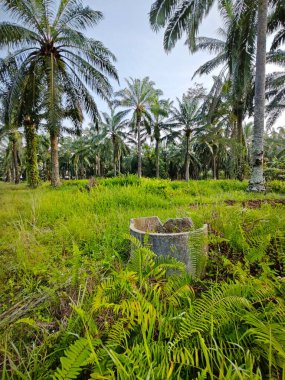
{"x":76,"y":303}
{"x":274,"y":173}
{"x":277,"y":186}
{"x":75,"y":357}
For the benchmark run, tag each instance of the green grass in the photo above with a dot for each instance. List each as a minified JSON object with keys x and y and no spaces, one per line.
{"x":58,"y":245}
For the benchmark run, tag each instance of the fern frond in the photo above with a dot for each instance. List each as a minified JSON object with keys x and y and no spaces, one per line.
{"x":73,"y":361}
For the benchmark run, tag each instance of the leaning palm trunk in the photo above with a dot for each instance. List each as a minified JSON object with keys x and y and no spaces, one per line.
{"x":55,"y":180}
{"x":257,"y":180}
{"x":139,"y":149}
{"x":187,"y":158}
{"x":31,"y":154}
{"x":157,"y":150}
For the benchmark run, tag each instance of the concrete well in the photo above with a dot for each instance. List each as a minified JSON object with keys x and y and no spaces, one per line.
{"x":176,"y":238}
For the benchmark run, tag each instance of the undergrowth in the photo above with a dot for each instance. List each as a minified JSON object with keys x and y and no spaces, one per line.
{"x":76,"y":305}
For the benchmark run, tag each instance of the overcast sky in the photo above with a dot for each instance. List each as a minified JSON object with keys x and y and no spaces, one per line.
{"x":126,"y":31}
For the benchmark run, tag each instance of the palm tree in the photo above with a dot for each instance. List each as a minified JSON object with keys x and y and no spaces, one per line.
{"x":235,"y":54}
{"x":256,"y":182}
{"x":112,"y":128}
{"x":14,"y":149}
{"x":12,"y":145}
{"x":187,"y":115}
{"x":14,"y":137}
{"x":275,"y":147}
{"x":178,"y":17}
{"x":23,"y":107}
{"x":276,"y":22}
{"x":137,"y":97}
{"x":186,"y":16}
{"x":11,"y":120}
{"x":275,"y":84}
{"x":160,"y":110}
{"x":81,"y":156}
{"x":58,"y":58}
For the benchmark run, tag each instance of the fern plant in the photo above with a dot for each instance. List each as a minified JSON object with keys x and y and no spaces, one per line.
{"x":145,"y":323}
{"x":75,"y":358}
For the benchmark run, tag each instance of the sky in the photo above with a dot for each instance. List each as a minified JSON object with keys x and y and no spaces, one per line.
{"x":126,"y":31}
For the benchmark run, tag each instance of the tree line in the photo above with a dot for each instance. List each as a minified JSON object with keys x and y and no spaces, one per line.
{"x":52,"y":71}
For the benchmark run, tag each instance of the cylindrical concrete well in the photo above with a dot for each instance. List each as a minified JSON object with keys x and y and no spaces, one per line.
{"x":175,"y":238}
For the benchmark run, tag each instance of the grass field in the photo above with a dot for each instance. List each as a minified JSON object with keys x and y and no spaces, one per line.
{"x":68,"y":285}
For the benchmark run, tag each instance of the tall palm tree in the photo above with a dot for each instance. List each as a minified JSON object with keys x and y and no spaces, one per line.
{"x":186,"y":16}
{"x":160,"y":110}
{"x":23,"y":107}
{"x":256,"y":182}
{"x":113,"y":129}
{"x":137,"y":97}
{"x":57,"y":57}
{"x":234,"y":52}
{"x":187,"y":115}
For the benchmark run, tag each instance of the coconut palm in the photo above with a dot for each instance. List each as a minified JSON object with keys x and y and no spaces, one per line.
{"x":56,"y":56}
{"x":137,"y":98}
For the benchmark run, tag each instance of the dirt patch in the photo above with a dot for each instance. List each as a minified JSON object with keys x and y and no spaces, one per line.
{"x":255,"y":203}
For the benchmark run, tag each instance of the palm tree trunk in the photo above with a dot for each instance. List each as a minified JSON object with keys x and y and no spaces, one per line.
{"x":139,"y":149}
{"x":114,"y":158}
{"x":119,"y":165}
{"x":240,"y":145}
{"x":187,"y":158}
{"x":98,"y":166}
{"x":256,"y":182}
{"x":214,"y":167}
{"x":31,"y":154}
{"x":55,"y":180}
{"x":115,"y":168}
{"x":157,"y":149}
{"x":8,"y":177}
{"x":15,"y":160}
